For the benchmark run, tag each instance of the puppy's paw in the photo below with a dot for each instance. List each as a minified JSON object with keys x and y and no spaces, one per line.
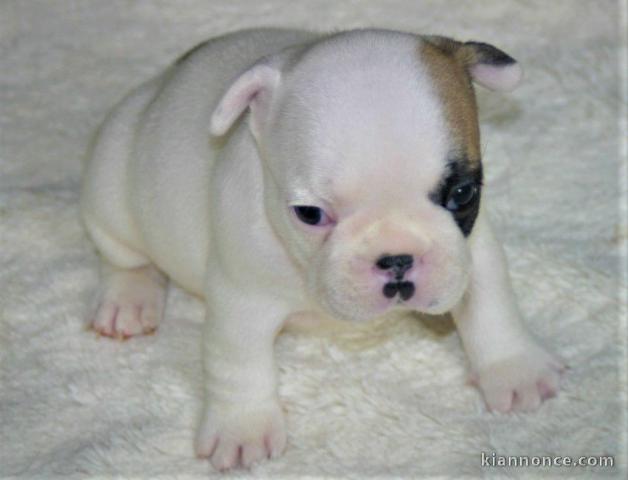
{"x":520,"y":383}
{"x":131,"y":303}
{"x":230,"y":436}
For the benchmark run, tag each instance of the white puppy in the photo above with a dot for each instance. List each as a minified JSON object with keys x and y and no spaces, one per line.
{"x":275,"y":173}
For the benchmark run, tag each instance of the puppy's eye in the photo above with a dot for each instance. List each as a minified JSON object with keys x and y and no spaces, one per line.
{"x":311,"y":215}
{"x":461,"y":196}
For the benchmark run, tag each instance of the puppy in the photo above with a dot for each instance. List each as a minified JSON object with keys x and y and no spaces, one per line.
{"x":276,"y":173}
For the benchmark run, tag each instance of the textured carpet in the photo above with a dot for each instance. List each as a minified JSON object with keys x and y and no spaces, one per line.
{"x":387,"y":400}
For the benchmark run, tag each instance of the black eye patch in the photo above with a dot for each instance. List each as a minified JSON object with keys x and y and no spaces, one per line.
{"x":459,"y":192}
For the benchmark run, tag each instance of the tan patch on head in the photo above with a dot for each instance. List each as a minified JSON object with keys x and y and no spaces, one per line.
{"x":453,"y":86}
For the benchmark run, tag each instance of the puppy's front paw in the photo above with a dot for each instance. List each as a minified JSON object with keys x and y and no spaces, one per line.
{"x":231,"y":436}
{"x":520,"y":383}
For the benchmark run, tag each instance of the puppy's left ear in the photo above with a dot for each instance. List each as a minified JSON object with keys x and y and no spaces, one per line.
{"x":487,"y":65}
{"x":253,"y":89}
{"x":490,"y":67}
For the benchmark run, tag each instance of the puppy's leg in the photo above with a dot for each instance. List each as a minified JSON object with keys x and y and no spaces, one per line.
{"x":130,"y":301}
{"x":242,"y":421}
{"x":132,"y":293}
{"x":511,"y":369}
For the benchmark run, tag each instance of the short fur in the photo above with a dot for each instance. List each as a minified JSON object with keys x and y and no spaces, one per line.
{"x":195,"y":174}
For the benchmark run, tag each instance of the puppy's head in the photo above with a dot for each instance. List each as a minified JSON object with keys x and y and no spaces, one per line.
{"x":371,"y":157}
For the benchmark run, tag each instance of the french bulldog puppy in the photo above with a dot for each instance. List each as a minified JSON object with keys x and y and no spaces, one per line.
{"x":279,"y":173}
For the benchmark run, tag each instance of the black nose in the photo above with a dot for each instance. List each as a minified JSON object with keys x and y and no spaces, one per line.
{"x":398,"y":264}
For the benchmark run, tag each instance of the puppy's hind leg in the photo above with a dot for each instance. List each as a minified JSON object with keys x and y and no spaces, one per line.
{"x":130,"y":301}
{"x":132,"y":294}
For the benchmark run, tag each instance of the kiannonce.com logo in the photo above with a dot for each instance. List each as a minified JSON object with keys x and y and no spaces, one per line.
{"x":495,"y":460}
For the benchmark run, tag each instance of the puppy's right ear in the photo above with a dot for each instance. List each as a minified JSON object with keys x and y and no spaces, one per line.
{"x":253,"y":89}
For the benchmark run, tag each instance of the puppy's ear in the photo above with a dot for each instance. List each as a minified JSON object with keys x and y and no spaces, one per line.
{"x":252,"y":89}
{"x":490,"y":67}
{"x":486,"y":64}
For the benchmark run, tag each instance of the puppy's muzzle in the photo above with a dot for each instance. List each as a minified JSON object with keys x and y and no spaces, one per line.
{"x":397,"y":266}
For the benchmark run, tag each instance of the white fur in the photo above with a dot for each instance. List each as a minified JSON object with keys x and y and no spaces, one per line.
{"x":511,"y":369}
{"x":352,"y":125}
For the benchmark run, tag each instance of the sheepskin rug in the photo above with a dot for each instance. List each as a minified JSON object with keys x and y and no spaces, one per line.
{"x":386,"y":400}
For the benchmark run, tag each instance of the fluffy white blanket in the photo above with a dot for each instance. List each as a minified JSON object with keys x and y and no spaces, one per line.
{"x":386,"y":400}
